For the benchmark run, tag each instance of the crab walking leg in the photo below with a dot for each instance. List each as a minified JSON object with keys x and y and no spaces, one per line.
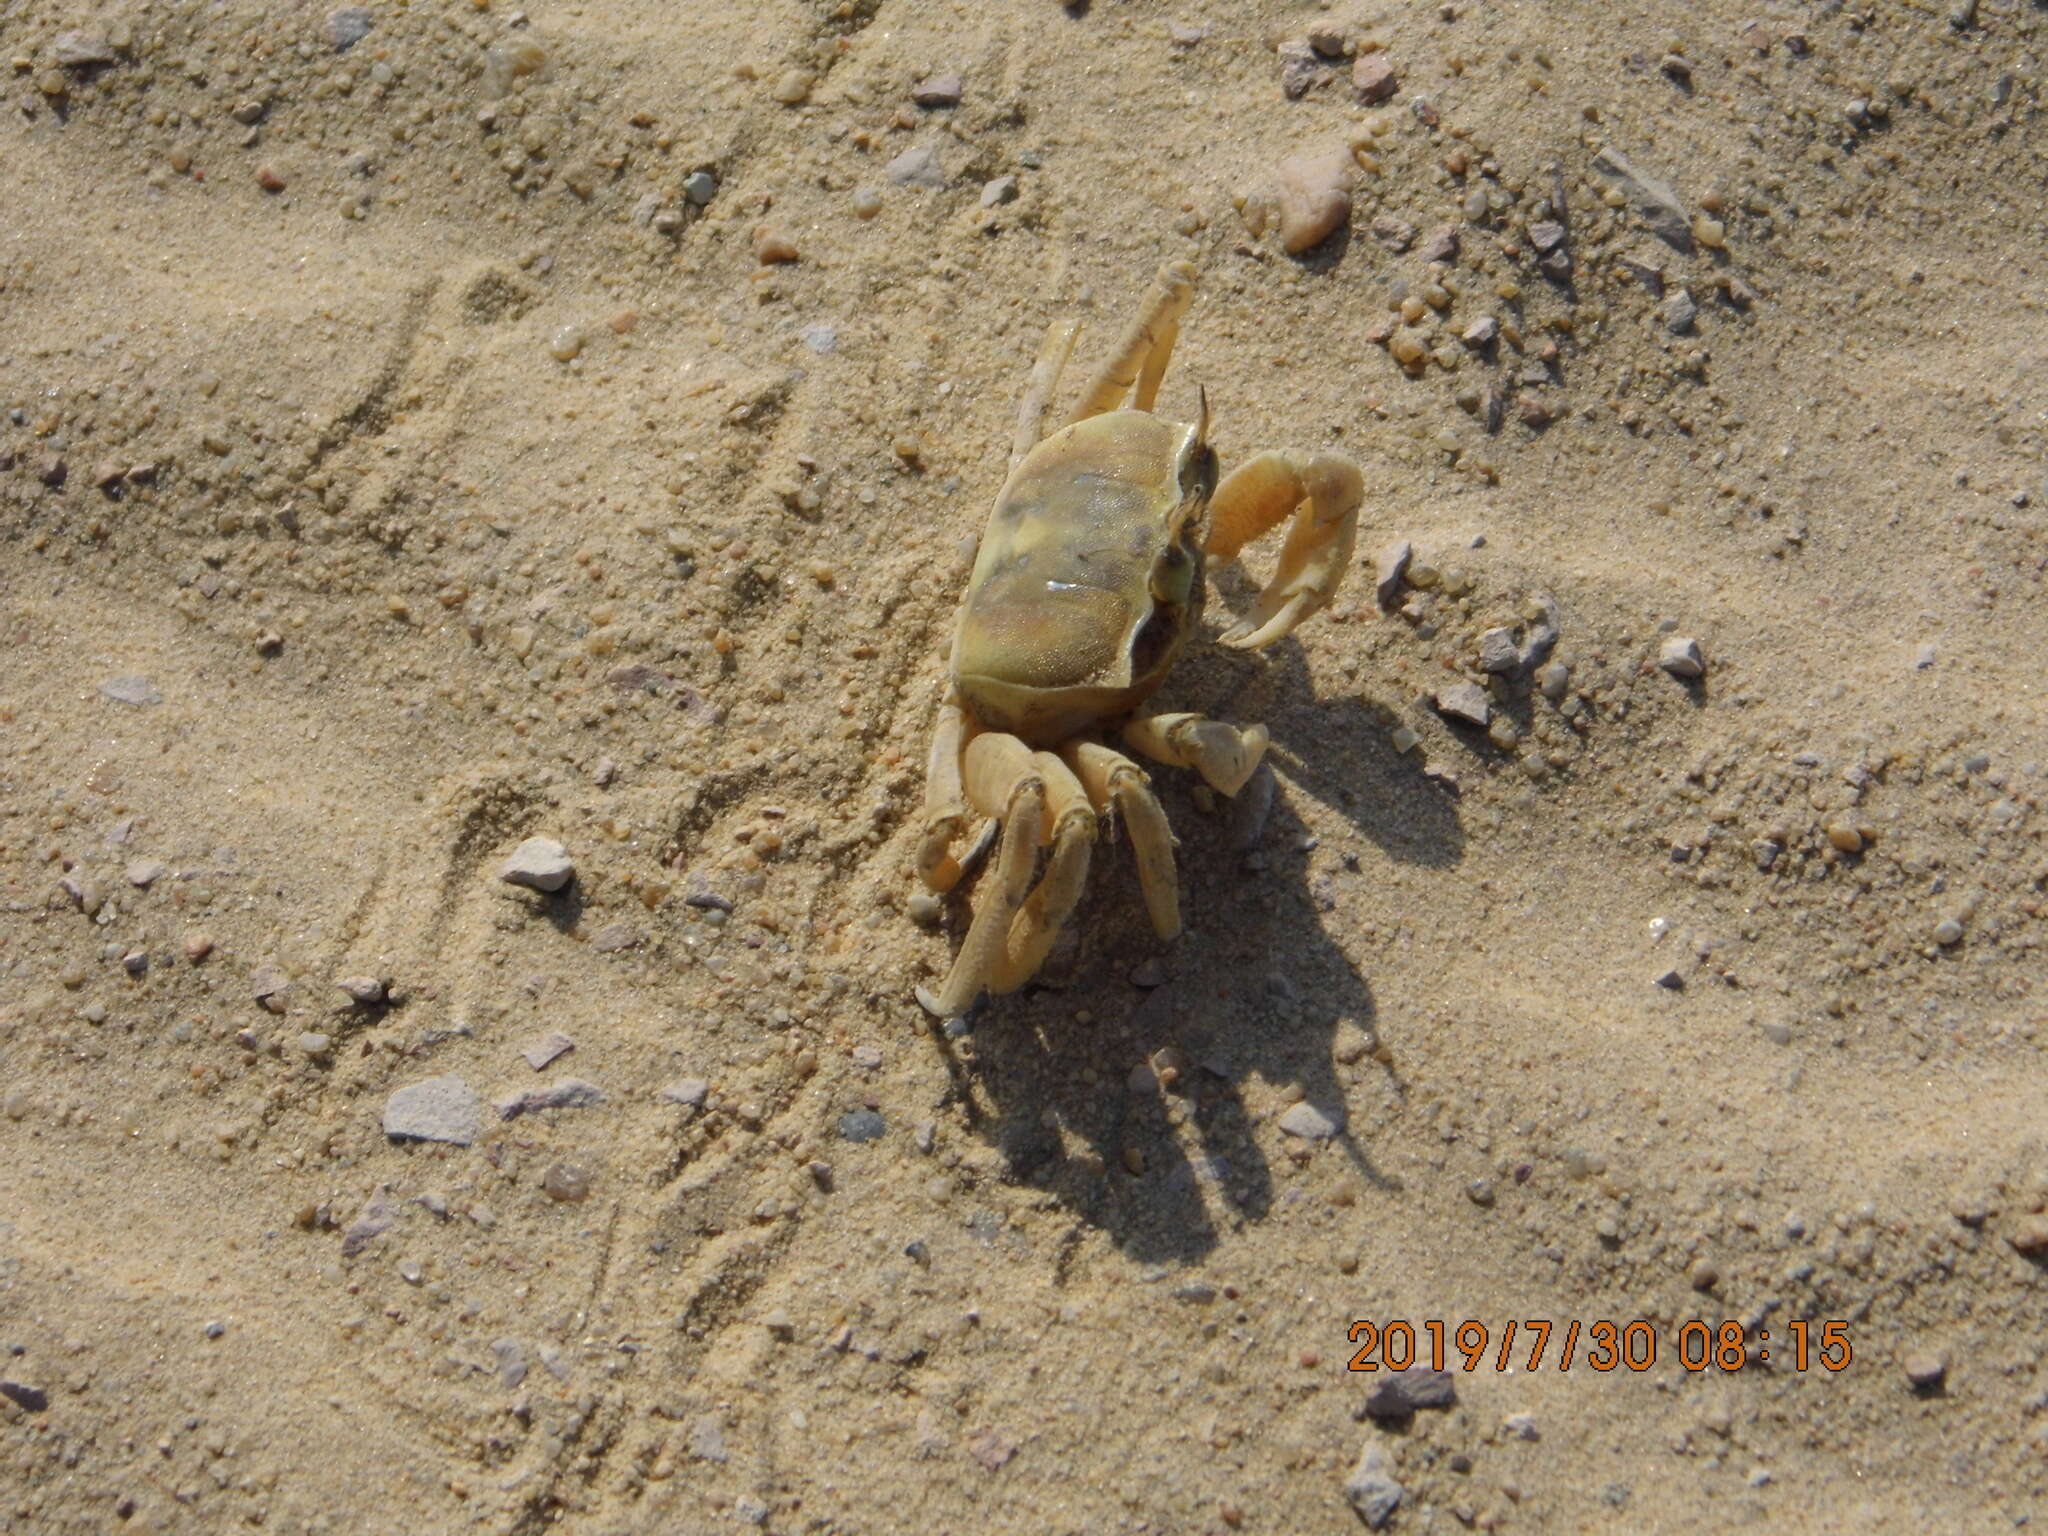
{"x":1045,"y":381}
{"x":1152,"y":333}
{"x":1256,"y":497}
{"x":1002,"y":780}
{"x":1223,"y":754}
{"x":1110,"y":778}
{"x":1066,"y":873}
{"x":945,"y":805}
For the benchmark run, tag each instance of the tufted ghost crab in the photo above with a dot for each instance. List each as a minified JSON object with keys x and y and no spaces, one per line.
{"x":1086,"y":588}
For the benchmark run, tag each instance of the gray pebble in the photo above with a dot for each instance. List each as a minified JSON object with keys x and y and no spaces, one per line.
{"x":924,"y":908}
{"x":311,"y":1043}
{"x":76,"y":49}
{"x":614,"y":938}
{"x":1003,"y":189}
{"x":917,"y":166}
{"x":937,"y":91}
{"x":1670,"y":981}
{"x":129,"y":689}
{"x":861,"y":1125}
{"x":1466,"y":702}
{"x":1481,"y":332}
{"x":1678,"y":312}
{"x":1546,"y":235}
{"x":566,"y":1182}
{"x":1149,"y":973}
{"x":700,"y":187}
{"x":692,"y":1091}
{"x":926,"y":1136}
{"x":547,"y":1048}
{"x":215,"y":1329}
{"x":821,"y":339}
{"x":1646,"y":267}
{"x":1520,"y":1426}
{"x":1371,"y":1489}
{"x":867,"y":1057}
{"x":540,"y":863}
{"x":367,"y":990}
{"x":1305,"y":1120}
{"x":1498,"y":651}
{"x":144,"y":872}
{"x":1441,"y":245}
{"x":565,"y":1093}
{"x":1553,"y":680}
{"x":1926,"y":1369}
{"x":348,"y":26}
{"x":1400,"y":1393}
{"x":438,"y":1109}
{"x":1389,"y":566}
{"x":1948,"y":932}
{"x":1680,"y":656}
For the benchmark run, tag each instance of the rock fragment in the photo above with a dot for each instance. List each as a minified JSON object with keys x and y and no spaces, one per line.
{"x":1498,"y":651}
{"x":139,"y":692}
{"x":77,"y":50}
{"x":1464,"y":702}
{"x":917,"y":166}
{"x":998,"y":191}
{"x":1926,"y":1369}
{"x":539,"y":863}
{"x":1389,"y":566}
{"x":347,"y":26}
{"x":692,"y":1091}
{"x":1371,"y":1489}
{"x":1678,"y":312}
{"x":861,"y":1125}
{"x":438,"y":1109}
{"x":1305,"y":1120}
{"x":567,"y":1093}
{"x":1399,"y":1394}
{"x":366,"y":990}
{"x":1374,"y":78}
{"x":1652,"y":201}
{"x":937,"y":91}
{"x":544,"y":1050}
{"x":25,"y":1397}
{"x":512,"y":1363}
{"x":1309,"y":196}
{"x":1680,"y":656}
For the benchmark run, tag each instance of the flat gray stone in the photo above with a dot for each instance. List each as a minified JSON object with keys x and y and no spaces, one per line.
{"x":348,"y":26}
{"x":1678,"y":312}
{"x":539,"y":863}
{"x":999,"y":190}
{"x":75,"y":49}
{"x":1371,"y":1489}
{"x":1398,"y":1394}
{"x":544,"y":1050}
{"x":1465,"y":702}
{"x":512,"y":1364}
{"x":1653,"y":201}
{"x":700,"y":187}
{"x":1310,"y":1123}
{"x":861,"y":1125}
{"x":438,"y":1109}
{"x":917,"y":166}
{"x":692,"y":1091}
{"x":130,"y":689}
{"x":938,"y":91}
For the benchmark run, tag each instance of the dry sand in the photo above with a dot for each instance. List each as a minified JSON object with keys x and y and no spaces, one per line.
{"x":330,"y":574}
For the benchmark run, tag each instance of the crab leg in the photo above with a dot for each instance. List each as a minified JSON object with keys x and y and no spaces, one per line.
{"x":1146,"y":345}
{"x":1002,"y":779}
{"x":1045,"y":382}
{"x":945,"y":806}
{"x":1256,"y":497}
{"x":1110,"y":778}
{"x":1073,"y":832}
{"x":1223,"y":754}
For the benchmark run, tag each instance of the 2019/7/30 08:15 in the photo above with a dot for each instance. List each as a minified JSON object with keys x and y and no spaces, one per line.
{"x":1608,"y":1345}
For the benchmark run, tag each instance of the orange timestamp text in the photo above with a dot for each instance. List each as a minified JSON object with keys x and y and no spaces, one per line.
{"x":1602,"y":1345}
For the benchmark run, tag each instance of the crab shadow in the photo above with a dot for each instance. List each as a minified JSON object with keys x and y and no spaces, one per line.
{"x":1264,"y":992}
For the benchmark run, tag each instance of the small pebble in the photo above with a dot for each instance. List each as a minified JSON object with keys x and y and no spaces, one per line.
{"x":137,"y":691}
{"x":197,"y":946}
{"x":867,"y":202}
{"x":1389,"y":566}
{"x":1553,"y":679}
{"x":772,"y":247}
{"x":1671,"y":981}
{"x":937,"y":91}
{"x":566,"y":1182}
{"x":917,"y":166}
{"x":539,"y":863}
{"x":1926,"y":1369}
{"x":438,"y":1109}
{"x":348,"y":26}
{"x":793,"y":87}
{"x":700,"y":187}
{"x":1498,"y":652}
{"x":1680,"y":656}
{"x":1678,"y":312}
{"x":1002,"y":189}
{"x":1948,"y":932}
{"x":145,"y":872}
{"x":2031,"y":1236}
{"x":1374,"y":78}
{"x":547,"y":1048}
{"x":692,"y":1091}
{"x":1520,"y":1426}
{"x":861,"y":1125}
{"x":564,"y":1093}
{"x":566,"y":344}
{"x":1308,"y":198}
{"x":1371,"y":1490}
{"x":268,"y":179}
{"x":1466,"y":702}
{"x":1305,"y":1120}
{"x":367,"y":990}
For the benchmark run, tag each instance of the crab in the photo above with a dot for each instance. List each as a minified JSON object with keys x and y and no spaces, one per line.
{"x":1086,"y":589}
